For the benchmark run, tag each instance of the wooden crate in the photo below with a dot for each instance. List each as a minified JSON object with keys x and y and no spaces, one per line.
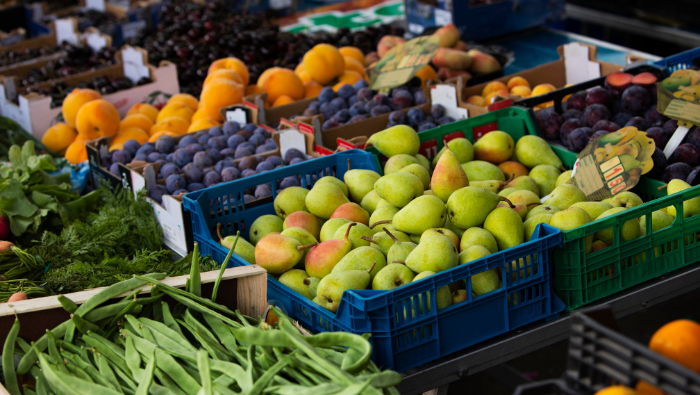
{"x":243,"y":288}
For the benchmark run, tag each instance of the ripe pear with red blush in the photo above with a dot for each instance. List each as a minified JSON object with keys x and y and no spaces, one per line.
{"x":322,"y":258}
{"x":353,"y":212}
{"x":278,"y":254}
{"x":448,"y":176}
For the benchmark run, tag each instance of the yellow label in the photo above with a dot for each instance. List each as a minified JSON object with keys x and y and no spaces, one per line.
{"x":683,"y":110}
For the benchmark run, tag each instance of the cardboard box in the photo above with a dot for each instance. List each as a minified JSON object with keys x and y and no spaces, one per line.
{"x":35,"y":114}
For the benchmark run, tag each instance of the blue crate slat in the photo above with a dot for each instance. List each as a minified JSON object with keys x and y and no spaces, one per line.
{"x":407,"y":330}
{"x":680,"y":61}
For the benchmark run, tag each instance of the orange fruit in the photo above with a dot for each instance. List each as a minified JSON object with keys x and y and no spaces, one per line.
{"x":155,"y":136}
{"x":348,"y":77}
{"x":517,"y":81}
{"x":425,"y":74}
{"x":644,"y":388}
{"x":174,"y":125}
{"x":58,"y":137}
{"x":201,"y":124}
{"x":234,"y":64}
{"x":679,"y":341}
{"x":354,"y":65}
{"x":145,"y":109}
{"x":220,"y":93}
{"x":283,"y":82}
{"x":616,"y":390}
{"x":493,"y":86}
{"x":98,"y":118}
{"x":312,"y":89}
{"x":324,"y":63}
{"x":130,"y":133}
{"x":476,"y":100}
{"x":521,"y":90}
{"x":175,"y":109}
{"x":282,"y":100}
{"x":186,"y":99}
{"x":301,"y":72}
{"x":253,"y":90}
{"x":138,"y":120}
{"x":75,"y":100}
{"x":541,"y":89}
{"x":266,"y":74}
{"x":76,"y":151}
{"x":353,"y":52}
{"x":225,"y":74}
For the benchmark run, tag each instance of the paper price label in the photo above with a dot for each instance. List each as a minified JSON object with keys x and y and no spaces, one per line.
{"x":237,"y":115}
{"x":290,"y":139}
{"x":446,"y":96}
{"x":578,"y":67}
{"x":402,"y":62}
{"x":65,"y":31}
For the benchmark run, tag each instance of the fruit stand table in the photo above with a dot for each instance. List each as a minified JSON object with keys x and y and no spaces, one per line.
{"x":440,"y":373}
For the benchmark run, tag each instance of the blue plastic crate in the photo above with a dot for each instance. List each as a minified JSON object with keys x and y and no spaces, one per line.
{"x":404,"y":334}
{"x":680,"y":61}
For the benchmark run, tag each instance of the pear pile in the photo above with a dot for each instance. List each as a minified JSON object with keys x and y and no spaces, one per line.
{"x":420,"y":218}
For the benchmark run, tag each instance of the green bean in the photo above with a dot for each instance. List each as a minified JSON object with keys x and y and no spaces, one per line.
{"x":106,"y":352}
{"x":133,"y":360}
{"x":211,"y":348}
{"x":225,"y":336}
{"x":92,"y":372}
{"x":51,"y":375}
{"x":103,"y":312}
{"x":79,"y":373}
{"x":124,"y":376}
{"x":262,"y":382}
{"x":195,"y":279}
{"x":70,"y":331}
{"x":124,"y":311}
{"x":68,"y":305}
{"x":86,"y":327}
{"x":253,"y":335}
{"x":224,"y":380}
{"x":167,"y":331}
{"x":55,"y":355}
{"x":40,"y":387}
{"x":176,"y":372}
{"x":132,"y":296}
{"x":135,"y":324}
{"x":147,"y":377}
{"x":147,"y":309}
{"x":28,"y":391}
{"x":169,"y":383}
{"x":202,"y":330}
{"x":8,"y":360}
{"x":355,"y":389}
{"x":38,"y":375}
{"x":223,"y":267}
{"x":112,"y":346}
{"x":165,"y":342}
{"x":385,"y":379}
{"x":107,"y":372}
{"x":203,"y":367}
{"x":321,"y":389}
{"x":29,"y":358}
{"x":223,"y":390}
{"x":169,"y":320}
{"x":115,"y":290}
{"x":172,"y":290}
{"x":23,"y":345}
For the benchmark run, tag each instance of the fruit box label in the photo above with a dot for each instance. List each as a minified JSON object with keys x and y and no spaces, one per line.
{"x":679,"y":97}
{"x":402,"y":62}
{"x":613,"y":163}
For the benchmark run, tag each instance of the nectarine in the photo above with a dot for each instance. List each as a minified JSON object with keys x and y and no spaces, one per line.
{"x":75,"y":100}
{"x":97,"y":118}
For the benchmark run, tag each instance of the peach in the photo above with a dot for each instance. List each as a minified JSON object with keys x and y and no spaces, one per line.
{"x":461,"y":46}
{"x":220,"y":93}
{"x":452,"y":59}
{"x":541,"y":89}
{"x":489,"y":98}
{"x":130,"y":133}
{"x":223,"y":73}
{"x":253,"y":90}
{"x":199,"y":114}
{"x":186,"y":99}
{"x":145,"y":109}
{"x":323,"y":63}
{"x":521,"y":90}
{"x":448,"y":35}
{"x":426,"y":74}
{"x":517,"y":81}
{"x":483,"y":63}
{"x":175,"y":125}
{"x":175,"y":110}
{"x":371,"y":58}
{"x":387,"y":43}
{"x":354,"y":65}
{"x":312,"y":89}
{"x":445,"y":74}
{"x":348,"y":77}
{"x":282,"y":100}
{"x":76,"y":152}
{"x":201,"y":124}
{"x":476,"y":100}
{"x":58,"y":137}
{"x":301,"y":72}
{"x":75,"y":100}
{"x":283,"y":82}
{"x":353,"y":52}
{"x":266,"y":74}
{"x":155,"y":136}
{"x":209,"y":112}
{"x":234,"y":64}
{"x":98,"y":118}
{"x":138,"y":120}
{"x":492,"y":87}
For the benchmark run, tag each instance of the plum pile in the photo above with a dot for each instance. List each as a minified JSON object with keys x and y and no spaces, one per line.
{"x":78,"y":59}
{"x":205,"y":159}
{"x":103,"y":84}
{"x":418,"y":120}
{"x":355,"y":103}
{"x":192,"y":35}
{"x":12,"y":57}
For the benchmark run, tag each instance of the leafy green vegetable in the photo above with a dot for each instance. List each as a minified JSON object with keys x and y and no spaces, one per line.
{"x":29,"y":196}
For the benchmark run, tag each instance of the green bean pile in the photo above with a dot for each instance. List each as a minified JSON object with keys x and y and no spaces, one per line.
{"x":144,"y":345}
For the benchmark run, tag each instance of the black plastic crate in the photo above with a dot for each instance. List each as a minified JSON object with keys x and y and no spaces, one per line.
{"x":548,"y":387}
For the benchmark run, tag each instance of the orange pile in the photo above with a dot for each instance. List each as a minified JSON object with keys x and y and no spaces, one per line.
{"x":516,"y":86}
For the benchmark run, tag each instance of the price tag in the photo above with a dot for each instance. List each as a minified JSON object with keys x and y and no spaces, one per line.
{"x":675,"y":140}
{"x":402,"y":62}
{"x":446,"y":96}
{"x":578,"y":67}
{"x":98,"y":5}
{"x":237,"y":115}
{"x":95,"y":40}
{"x":65,"y":31}
{"x":290,"y":139}
{"x":133,"y":63}
{"x":442,"y":17}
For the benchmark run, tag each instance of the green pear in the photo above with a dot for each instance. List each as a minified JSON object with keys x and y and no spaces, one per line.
{"x":330,"y":289}
{"x":243,"y":248}
{"x":422,"y":275}
{"x":400,"y":250}
{"x":691,"y":207}
{"x":397,"y":162}
{"x":302,"y":236}
{"x":441,"y":296}
{"x":370,"y":201}
{"x":383,"y":241}
{"x":392,"y":276}
{"x":355,"y":235}
{"x":459,"y":296}
{"x":524,"y":183}
{"x":530,"y":224}
{"x":448,"y":176}
{"x":546,"y":178}
{"x":491,"y":185}
{"x":525,"y":197}
{"x":494,"y":147}
{"x":277,"y":253}
{"x":519,"y":208}
{"x":564,"y":196}
{"x":541,"y":209}
{"x":506,"y":226}
{"x":436,"y":253}
{"x":478,"y":170}
{"x":294,"y":279}
{"x":483,"y":282}
{"x":480,"y":237}
{"x":421,"y":214}
{"x":572,"y":218}
{"x":461,"y":147}
{"x":420,"y":172}
{"x":594,"y":209}
{"x":359,"y":183}
{"x":362,"y":258}
{"x":415,"y":238}
{"x":324,"y":199}
{"x":399,"y":188}
{"x":626,"y":199}
{"x":659,"y":220}
{"x":382,"y":218}
{"x":396,"y":140}
{"x":264,"y":225}
{"x":312,"y":285}
{"x":328,"y":229}
{"x":473,"y":253}
{"x":629,"y":230}
{"x":468,"y":207}
{"x":506,"y":191}
{"x":563,"y":178}
{"x":290,"y":200}
{"x":340,"y":184}
{"x":302,"y":219}
{"x":532,"y":151}
{"x":423,"y":161}
{"x":454,"y":229}
{"x":441,"y":232}
{"x":322,"y":258}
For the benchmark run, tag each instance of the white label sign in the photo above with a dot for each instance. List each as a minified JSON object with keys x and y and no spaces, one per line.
{"x":98,"y":5}
{"x":675,"y":140}
{"x":95,"y":41}
{"x":446,"y":96}
{"x":291,"y":138}
{"x":65,"y":31}
{"x":134,"y":68}
{"x":578,"y":67}
{"x":442,"y":17}
{"x":237,"y":115}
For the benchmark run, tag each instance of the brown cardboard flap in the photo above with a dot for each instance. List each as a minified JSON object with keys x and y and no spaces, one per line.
{"x":592,"y":51}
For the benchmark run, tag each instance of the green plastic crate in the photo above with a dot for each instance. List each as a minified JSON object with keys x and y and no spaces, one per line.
{"x":582,"y":278}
